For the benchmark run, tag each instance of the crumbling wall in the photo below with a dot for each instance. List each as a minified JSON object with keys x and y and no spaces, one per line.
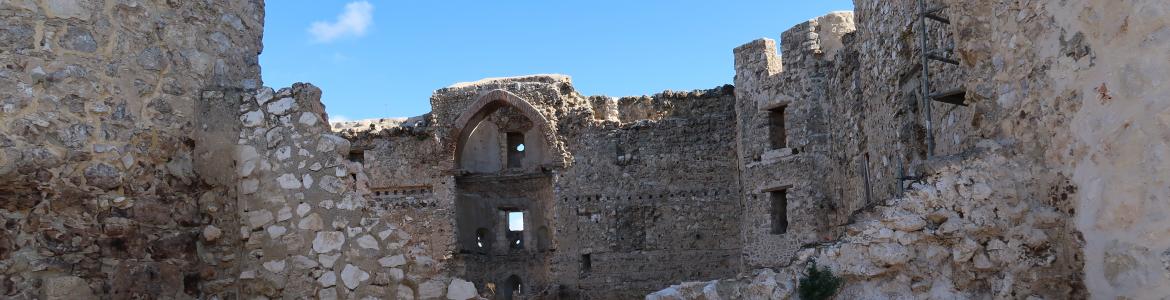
{"x":310,"y":225}
{"x":670,"y":225}
{"x":793,"y":87}
{"x":110,"y":117}
{"x":1051,"y":201}
{"x":1077,"y":87}
{"x":649,"y":201}
{"x":403,"y":162}
{"x":969,"y":231}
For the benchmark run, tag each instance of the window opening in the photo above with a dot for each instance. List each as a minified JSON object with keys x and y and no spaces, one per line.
{"x":515,"y":229}
{"x":779,"y":211}
{"x":515,"y":149}
{"x":777,"y":133}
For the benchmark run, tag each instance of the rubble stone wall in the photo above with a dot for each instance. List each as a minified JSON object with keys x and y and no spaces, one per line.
{"x":650,"y":200}
{"x":1037,"y":190}
{"x":311,"y":225}
{"x":106,"y":145}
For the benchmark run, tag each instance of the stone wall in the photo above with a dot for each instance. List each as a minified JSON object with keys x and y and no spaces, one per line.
{"x":106,"y":143}
{"x":1035,"y":189}
{"x":637,"y":234}
{"x":969,"y":231}
{"x":311,"y":225}
{"x":650,"y":200}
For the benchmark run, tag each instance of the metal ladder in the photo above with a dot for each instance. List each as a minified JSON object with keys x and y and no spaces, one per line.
{"x":953,"y":96}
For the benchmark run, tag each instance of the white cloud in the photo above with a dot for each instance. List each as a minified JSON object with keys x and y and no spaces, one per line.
{"x":353,"y":22}
{"x":335,"y":119}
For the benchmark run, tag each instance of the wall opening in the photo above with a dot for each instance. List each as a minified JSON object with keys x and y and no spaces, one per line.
{"x":515,"y":229}
{"x":777,"y":133}
{"x":779,"y":211}
{"x":357,"y":156}
{"x":515,"y":149}
{"x":512,"y":287}
{"x":586,"y":262}
{"x":483,"y":239}
{"x":543,"y":239}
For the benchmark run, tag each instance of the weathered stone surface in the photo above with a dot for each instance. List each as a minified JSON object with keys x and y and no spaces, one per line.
{"x":130,"y":131}
{"x":352,"y":276}
{"x":281,"y":107}
{"x":327,"y":279}
{"x":78,"y":39}
{"x":327,"y":241}
{"x":460,"y":290}
{"x":392,"y":261}
{"x":103,"y":175}
{"x":257,"y":219}
{"x":212,"y":233}
{"x":65,"y":287}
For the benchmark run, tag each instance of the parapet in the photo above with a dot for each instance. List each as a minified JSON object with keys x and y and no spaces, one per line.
{"x":820,"y":38}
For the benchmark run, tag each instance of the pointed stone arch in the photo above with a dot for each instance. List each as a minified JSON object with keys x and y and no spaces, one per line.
{"x":488,"y":102}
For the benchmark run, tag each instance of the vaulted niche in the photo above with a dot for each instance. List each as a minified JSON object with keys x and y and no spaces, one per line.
{"x":504,"y":195}
{"x":503,"y":138}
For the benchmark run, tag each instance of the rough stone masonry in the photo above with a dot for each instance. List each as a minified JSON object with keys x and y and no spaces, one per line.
{"x":142,"y":157}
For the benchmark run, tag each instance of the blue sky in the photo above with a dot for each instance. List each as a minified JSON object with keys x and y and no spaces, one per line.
{"x":376,"y":59}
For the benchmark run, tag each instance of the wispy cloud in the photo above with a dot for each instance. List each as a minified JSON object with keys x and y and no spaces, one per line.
{"x":353,"y":22}
{"x":339,"y":118}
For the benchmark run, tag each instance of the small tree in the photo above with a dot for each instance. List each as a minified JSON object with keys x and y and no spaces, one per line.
{"x":820,"y":284}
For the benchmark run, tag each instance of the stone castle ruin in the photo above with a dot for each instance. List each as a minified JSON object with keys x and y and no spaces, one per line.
{"x":940,"y":149}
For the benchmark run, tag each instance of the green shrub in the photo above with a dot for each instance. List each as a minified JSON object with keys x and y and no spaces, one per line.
{"x":820,"y":283}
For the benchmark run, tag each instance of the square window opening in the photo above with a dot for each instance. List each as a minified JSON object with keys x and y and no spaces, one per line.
{"x":357,"y":156}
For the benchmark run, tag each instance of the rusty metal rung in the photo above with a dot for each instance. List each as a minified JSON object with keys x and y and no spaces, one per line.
{"x":941,"y":58}
{"x":955,"y":96}
{"x":937,"y":17}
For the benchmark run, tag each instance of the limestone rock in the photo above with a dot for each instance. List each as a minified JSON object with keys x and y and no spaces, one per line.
{"x":368,"y":242}
{"x":352,"y":276}
{"x":460,"y":290}
{"x":257,"y":219}
{"x":103,"y":176}
{"x":65,"y":288}
{"x":327,"y":260}
{"x":281,"y":107}
{"x":212,"y":233}
{"x":327,"y":241}
{"x":312,"y":222}
{"x":275,"y":266}
{"x":327,"y":279}
{"x":289,"y":181}
{"x":392,"y":261}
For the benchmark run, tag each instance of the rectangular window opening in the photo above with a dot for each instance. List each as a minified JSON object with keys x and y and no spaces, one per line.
{"x":357,"y":156}
{"x":777,"y":133}
{"x":515,"y":149}
{"x":586,"y":262}
{"x":779,"y":211}
{"x":515,"y":232}
{"x":515,"y":221}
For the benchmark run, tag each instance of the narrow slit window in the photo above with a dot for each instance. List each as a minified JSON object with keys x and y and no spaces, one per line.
{"x":779,"y":211}
{"x":586,"y":262}
{"x":482,"y":239}
{"x":777,"y":133}
{"x":515,"y":149}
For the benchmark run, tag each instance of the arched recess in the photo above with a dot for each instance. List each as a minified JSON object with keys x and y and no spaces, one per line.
{"x":487,"y":103}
